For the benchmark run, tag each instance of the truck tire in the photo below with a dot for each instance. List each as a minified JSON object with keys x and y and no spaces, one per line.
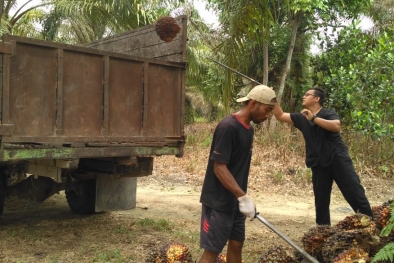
{"x":2,"y":195}
{"x":82,"y":199}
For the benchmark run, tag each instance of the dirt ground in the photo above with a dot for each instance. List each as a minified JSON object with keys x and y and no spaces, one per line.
{"x":168,"y":210}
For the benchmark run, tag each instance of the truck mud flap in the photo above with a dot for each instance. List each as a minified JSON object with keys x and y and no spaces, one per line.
{"x":114,"y":194}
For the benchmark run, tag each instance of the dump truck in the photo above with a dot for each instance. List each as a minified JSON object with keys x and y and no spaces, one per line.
{"x":89,"y":119}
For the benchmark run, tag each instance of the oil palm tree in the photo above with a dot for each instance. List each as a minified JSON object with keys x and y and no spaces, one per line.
{"x":82,"y":21}
{"x":20,"y":19}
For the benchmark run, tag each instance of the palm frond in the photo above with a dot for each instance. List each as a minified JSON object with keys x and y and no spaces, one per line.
{"x":385,"y":254}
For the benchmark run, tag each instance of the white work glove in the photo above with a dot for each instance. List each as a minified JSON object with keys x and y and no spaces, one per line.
{"x":246,"y":206}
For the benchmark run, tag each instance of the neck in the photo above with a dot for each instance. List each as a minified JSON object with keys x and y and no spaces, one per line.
{"x":242,"y":116}
{"x":315,"y":108}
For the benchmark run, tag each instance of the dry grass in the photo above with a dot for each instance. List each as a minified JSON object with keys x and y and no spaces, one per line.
{"x":168,"y":209}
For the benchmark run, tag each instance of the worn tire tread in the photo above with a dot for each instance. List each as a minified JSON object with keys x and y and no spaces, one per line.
{"x":2,"y":194}
{"x":84,"y":203}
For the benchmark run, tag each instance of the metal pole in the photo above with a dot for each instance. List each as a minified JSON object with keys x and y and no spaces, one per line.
{"x":303,"y":252}
{"x":233,"y":70}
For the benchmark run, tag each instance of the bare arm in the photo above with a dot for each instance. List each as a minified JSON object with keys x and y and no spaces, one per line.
{"x":329,"y":125}
{"x":227,"y":180}
{"x":280,"y":115}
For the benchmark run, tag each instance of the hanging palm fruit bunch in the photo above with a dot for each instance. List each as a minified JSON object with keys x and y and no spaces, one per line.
{"x":167,"y":28}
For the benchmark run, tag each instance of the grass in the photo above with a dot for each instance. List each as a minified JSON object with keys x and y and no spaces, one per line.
{"x":116,"y":239}
{"x":286,"y":143}
{"x":159,"y":225}
{"x":111,"y":256}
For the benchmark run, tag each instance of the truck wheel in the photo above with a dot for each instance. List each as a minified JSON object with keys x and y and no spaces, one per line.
{"x":2,"y":194}
{"x":83,"y":197}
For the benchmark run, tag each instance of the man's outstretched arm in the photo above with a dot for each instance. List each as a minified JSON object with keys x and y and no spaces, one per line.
{"x":280,"y":115}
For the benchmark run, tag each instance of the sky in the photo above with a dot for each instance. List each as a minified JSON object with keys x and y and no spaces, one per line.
{"x":208,"y":16}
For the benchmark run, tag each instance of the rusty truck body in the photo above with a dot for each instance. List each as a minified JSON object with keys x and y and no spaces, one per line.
{"x":89,"y":119}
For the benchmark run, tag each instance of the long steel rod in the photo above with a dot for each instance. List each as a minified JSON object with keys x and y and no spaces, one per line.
{"x":303,"y":252}
{"x":233,"y":70}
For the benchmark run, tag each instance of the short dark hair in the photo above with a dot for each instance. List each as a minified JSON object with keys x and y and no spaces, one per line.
{"x":319,"y":92}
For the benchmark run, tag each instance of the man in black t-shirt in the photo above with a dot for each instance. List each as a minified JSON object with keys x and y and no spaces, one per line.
{"x":326,"y":154}
{"x":225,"y":203}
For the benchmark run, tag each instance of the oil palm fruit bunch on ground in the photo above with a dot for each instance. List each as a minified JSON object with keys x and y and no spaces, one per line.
{"x":344,"y":240}
{"x":382,"y":214}
{"x":357,"y":222}
{"x":277,"y":254}
{"x":170,"y":253}
{"x":353,"y":254}
{"x":315,"y":238}
{"x":222,"y":259}
{"x":167,"y":28}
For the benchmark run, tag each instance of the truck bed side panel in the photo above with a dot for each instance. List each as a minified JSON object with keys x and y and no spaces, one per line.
{"x":32,"y":91}
{"x":145,"y":42}
{"x":56,"y":94}
{"x":125,"y":119}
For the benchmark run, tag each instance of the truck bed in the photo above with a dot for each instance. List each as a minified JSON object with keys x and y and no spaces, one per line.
{"x":62,"y":101}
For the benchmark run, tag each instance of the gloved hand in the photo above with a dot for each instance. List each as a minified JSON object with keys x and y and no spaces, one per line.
{"x":246,"y":206}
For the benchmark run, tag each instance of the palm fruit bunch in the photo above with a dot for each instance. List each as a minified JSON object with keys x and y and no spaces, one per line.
{"x":343,"y":240}
{"x":382,"y":214}
{"x":353,"y":254}
{"x":277,"y":254}
{"x":167,"y":28}
{"x":222,"y":259}
{"x":315,"y":238}
{"x":170,"y":253}
{"x":376,"y":212}
{"x":357,"y":222}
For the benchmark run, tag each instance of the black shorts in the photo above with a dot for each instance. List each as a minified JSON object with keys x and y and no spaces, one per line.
{"x":217,"y":227}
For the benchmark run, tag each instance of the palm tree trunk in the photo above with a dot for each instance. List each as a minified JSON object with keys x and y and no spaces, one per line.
{"x":265,"y":63}
{"x":286,"y":69}
{"x":1,"y":9}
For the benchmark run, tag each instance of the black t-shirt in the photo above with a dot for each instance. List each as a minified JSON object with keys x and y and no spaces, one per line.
{"x":231,"y":145}
{"x":321,"y":145}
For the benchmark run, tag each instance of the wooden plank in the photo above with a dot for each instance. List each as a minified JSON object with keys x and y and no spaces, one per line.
{"x":93,"y":51}
{"x":86,"y":152}
{"x":5,"y":116}
{"x":145,"y":42}
{"x":7,"y":48}
{"x":182,"y":102}
{"x":184,"y":39}
{"x":87,"y":139}
{"x":6,"y":129}
{"x":59,"y":92}
{"x":145,"y":98}
{"x":104,"y":130}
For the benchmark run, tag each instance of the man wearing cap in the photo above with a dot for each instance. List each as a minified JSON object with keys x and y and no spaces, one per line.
{"x":326,"y":155}
{"x":225,"y":204}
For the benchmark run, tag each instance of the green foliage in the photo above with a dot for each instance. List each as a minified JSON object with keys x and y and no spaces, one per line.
{"x":75,"y":21}
{"x":386,"y":253}
{"x":390,"y":225}
{"x":160,"y":225}
{"x":360,"y":82}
